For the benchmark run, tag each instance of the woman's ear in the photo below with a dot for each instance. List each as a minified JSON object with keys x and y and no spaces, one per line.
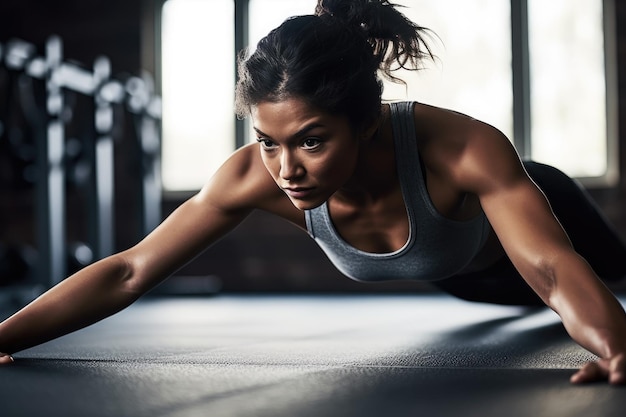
{"x":370,"y":129}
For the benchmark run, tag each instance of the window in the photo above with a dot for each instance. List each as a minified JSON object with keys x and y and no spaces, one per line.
{"x":472,"y":70}
{"x":198,"y":54}
{"x":568,"y":86}
{"x":567,"y":106}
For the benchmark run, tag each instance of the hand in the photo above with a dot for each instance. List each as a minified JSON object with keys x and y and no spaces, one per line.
{"x":611,"y":369}
{"x":5,"y":359}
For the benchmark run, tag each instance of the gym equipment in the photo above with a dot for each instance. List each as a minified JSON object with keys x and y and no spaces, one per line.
{"x":146,"y":108}
{"x":50,"y":160}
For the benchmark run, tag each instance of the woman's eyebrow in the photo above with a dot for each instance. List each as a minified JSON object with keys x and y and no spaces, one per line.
{"x":298,"y":134}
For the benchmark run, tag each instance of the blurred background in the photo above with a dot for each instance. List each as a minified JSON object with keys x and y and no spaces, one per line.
{"x":114,"y":112}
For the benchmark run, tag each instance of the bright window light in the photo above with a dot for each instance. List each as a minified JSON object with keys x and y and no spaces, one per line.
{"x":472,"y":72}
{"x":198,"y":55}
{"x":568,"y":86}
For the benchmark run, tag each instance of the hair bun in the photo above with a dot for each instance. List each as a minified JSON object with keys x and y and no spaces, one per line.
{"x":396,"y":41}
{"x":353,"y":12}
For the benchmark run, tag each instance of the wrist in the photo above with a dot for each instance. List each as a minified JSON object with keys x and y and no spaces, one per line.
{"x":612,"y":345}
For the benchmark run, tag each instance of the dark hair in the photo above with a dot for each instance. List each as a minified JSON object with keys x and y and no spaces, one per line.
{"x":331,"y":59}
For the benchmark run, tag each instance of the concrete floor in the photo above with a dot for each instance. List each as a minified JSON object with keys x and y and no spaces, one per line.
{"x":386,"y":355}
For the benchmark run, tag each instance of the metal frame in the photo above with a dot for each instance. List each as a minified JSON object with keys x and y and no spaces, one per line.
{"x":59,"y":77}
{"x":521,"y":76}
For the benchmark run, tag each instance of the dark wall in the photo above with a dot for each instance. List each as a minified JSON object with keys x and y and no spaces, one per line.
{"x":89,"y":28}
{"x":263,"y":253}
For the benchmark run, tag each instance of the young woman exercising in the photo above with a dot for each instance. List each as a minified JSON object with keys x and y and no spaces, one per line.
{"x":389,"y":191}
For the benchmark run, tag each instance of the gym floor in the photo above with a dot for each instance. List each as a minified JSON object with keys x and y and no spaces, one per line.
{"x":281,"y":355}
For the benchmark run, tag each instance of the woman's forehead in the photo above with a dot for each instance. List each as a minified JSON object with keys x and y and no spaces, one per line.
{"x":292,"y":105}
{"x":291,"y":116}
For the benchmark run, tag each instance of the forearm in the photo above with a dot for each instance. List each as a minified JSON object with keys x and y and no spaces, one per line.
{"x":88,"y":296}
{"x":590,"y":312}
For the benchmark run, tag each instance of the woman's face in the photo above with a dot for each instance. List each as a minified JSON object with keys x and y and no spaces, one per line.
{"x":308,"y":153}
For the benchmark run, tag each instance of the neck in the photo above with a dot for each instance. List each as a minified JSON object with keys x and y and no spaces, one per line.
{"x":375,"y":175}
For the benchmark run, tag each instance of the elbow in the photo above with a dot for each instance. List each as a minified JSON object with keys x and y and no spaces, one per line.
{"x":127,"y":275}
{"x":135,"y":276}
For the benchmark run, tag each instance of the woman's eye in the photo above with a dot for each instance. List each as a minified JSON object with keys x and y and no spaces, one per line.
{"x":310,"y":143}
{"x":265,"y":143}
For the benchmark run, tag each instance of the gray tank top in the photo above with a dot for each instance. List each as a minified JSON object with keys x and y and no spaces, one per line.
{"x":437,"y":247}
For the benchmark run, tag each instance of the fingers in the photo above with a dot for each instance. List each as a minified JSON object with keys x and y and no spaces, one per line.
{"x":613,"y":371}
{"x":593,"y":371}
{"x":5,"y":359}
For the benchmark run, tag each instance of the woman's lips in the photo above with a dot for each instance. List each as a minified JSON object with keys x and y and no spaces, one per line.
{"x":297,"y":192}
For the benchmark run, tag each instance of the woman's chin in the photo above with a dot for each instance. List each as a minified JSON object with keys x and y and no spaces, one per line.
{"x":305,"y":204}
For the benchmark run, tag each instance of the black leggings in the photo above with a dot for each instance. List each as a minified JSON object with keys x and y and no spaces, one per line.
{"x":591,"y":235}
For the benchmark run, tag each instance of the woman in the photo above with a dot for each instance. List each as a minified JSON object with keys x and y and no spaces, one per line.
{"x":403,"y":190}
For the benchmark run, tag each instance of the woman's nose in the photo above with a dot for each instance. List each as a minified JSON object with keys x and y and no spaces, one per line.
{"x":290,"y":166}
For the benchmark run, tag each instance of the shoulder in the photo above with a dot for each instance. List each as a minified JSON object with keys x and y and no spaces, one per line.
{"x":473,"y":154}
{"x":242,"y":183}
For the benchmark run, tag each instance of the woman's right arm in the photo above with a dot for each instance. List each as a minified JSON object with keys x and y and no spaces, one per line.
{"x":111,"y":284}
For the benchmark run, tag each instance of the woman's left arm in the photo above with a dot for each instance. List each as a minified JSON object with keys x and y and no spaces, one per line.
{"x":541,"y":251}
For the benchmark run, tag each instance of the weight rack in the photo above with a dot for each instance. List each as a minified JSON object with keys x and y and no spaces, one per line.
{"x":136,"y":95}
